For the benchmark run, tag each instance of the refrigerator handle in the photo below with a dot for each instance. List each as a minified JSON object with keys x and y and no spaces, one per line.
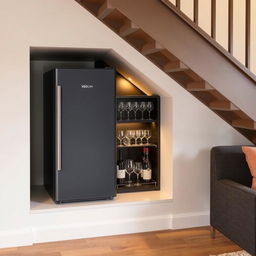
{"x":58,"y":128}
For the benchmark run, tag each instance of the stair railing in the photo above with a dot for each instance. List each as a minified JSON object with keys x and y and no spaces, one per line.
{"x":195,"y":24}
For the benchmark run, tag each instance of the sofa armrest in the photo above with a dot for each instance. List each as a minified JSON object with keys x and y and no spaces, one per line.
{"x":228,"y":162}
{"x":239,"y":188}
{"x":233,"y":212}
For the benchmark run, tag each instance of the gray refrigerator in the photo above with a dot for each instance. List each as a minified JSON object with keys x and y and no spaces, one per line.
{"x":79,"y":134}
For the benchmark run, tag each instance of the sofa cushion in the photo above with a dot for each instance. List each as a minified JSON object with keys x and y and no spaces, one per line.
{"x":250,"y":155}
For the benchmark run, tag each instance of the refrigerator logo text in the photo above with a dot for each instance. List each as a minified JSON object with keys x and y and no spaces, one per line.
{"x":86,"y":86}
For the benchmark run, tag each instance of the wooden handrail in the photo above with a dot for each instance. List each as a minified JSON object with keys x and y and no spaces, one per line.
{"x":212,"y":39}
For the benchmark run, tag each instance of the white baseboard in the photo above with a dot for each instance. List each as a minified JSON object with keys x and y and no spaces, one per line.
{"x":40,"y":234}
{"x":77,"y":231}
{"x":190,"y":220}
{"x":13,"y":238}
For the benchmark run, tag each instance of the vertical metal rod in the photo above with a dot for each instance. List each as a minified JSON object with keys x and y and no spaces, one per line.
{"x":178,"y":4}
{"x":230,"y":25}
{"x":213,"y":19}
{"x":196,"y":11}
{"x":248,"y":34}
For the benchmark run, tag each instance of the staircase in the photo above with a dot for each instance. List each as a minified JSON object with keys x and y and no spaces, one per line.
{"x":164,"y":37}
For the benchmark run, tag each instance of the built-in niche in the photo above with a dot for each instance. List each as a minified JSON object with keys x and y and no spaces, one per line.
{"x":45,"y":59}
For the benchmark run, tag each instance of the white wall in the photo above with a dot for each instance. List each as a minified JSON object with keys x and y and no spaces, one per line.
{"x":63,"y":23}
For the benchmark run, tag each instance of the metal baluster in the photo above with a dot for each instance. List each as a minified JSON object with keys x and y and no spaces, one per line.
{"x":178,"y":4}
{"x":248,"y":33}
{"x":213,"y":19}
{"x":230,"y":26}
{"x":196,"y":11}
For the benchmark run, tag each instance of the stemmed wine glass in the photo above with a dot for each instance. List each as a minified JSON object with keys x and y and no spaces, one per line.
{"x":141,"y":136}
{"x":142,"y":108}
{"x":137,"y":136}
{"x":133,"y":136}
{"x":147,"y":134}
{"x":128,"y":108}
{"x":121,"y":108}
{"x":129,"y":136}
{"x":135,"y":108}
{"x":137,"y":170}
{"x":120,"y":136}
{"x":129,"y":166}
{"x":149,"y":107}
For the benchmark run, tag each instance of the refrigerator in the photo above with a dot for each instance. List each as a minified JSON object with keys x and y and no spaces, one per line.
{"x":79,"y":134}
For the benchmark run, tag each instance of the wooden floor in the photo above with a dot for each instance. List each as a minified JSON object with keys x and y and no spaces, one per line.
{"x":189,"y":242}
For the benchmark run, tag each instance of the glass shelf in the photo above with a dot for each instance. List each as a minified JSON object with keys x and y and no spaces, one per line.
{"x":136,"y":121}
{"x":143,"y":183}
{"x":152,"y":185}
{"x":137,"y":146}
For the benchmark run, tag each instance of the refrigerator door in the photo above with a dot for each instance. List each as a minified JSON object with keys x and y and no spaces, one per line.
{"x":85,"y":134}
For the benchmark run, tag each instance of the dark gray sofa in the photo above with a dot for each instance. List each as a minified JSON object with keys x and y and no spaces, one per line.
{"x":233,"y":202}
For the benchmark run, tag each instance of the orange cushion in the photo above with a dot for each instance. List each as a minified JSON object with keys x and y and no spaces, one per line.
{"x":250,"y":155}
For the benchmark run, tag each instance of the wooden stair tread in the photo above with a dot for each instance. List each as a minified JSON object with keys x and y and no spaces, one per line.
{"x":128,"y":28}
{"x":199,"y":86}
{"x":223,"y":105}
{"x":105,"y":10}
{"x":244,"y":123}
{"x":175,"y":66}
{"x":151,"y":47}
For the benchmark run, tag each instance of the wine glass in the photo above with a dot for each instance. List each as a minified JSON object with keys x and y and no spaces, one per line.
{"x":128,"y":108}
{"x":142,"y":108}
{"x":120,"y":136}
{"x":141,"y":136}
{"x":135,"y":108}
{"x":133,"y":136}
{"x":149,"y":108}
{"x":137,"y":170}
{"x":129,"y":166}
{"x":129,"y":136}
{"x":147,"y":134}
{"x":137,"y":136}
{"x":121,"y":108}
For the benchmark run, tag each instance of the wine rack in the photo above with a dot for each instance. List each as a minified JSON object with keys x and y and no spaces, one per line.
{"x":135,"y":151}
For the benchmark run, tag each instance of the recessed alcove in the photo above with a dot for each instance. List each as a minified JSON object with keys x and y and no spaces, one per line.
{"x":43,"y":59}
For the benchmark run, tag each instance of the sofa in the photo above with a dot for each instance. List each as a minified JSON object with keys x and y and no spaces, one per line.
{"x":232,"y":201}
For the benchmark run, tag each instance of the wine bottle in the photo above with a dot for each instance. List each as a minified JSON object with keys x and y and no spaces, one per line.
{"x":146,"y":166}
{"x":121,"y":169}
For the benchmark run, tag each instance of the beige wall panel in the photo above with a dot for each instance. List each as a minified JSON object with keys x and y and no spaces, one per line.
{"x":205,"y":15}
{"x":187,"y":7}
{"x":222,"y":23}
{"x":239,"y":30}
{"x":173,"y":1}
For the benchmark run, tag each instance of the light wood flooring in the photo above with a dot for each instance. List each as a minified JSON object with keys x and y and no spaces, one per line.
{"x":187,"y":242}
